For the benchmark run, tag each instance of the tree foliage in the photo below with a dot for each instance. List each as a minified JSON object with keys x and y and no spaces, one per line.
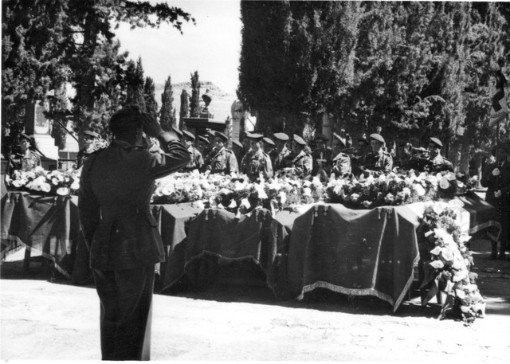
{"x":195,"y":95}
{"x":167,"y":113}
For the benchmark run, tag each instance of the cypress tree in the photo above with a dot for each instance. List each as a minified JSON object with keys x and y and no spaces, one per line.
{"x":150,"y":97}
{"x":166,"y":111}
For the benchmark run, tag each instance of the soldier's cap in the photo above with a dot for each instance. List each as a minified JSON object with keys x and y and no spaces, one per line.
{"x":254,"y":136}
{"x":505,"y":146}
{"x":377,"y":137}
{"x":220,"y":135}
{"x":268,"y":141}
{"x":436,"y":142}
{"x":91,"y":134}
{"x":178,"y":132}
{"x":238,"y":144}
{"x":204,"y":139}
{"x":188,"y":134}
{"x":340,"y":139}
{"x":321,"y":137}
{"x":281,"y":136}
{"x":298,"y":139}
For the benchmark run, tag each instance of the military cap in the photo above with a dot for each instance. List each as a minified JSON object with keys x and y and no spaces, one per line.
{"x":188,"y":134}
{"x":91,"y":134}
{"x":204,"y":139}
{"x":220,"y":135}
{"x":299,"y":140}
{"x":127,"y":118}
{"x":437,"y":142}
{"x":254,"y":136}
{"x":268,"y":141}
{"x":321,"y":137}
{"x":281,"y":136}
{"x":178,"y":132}
{"x":238,"y":144}
{"x":377,"y":137}
{"x":504,"y":146}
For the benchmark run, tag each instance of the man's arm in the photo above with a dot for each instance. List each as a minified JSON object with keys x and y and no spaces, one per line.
{"x":88,"y":207}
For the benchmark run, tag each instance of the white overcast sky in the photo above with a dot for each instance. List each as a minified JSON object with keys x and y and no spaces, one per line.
{"x":211,"y":47}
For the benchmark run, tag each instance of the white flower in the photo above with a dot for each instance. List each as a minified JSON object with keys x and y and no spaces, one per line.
{"x":450,"y":176}
{"x":75,"y":185}
{"x":45,"y":187}
{"x":17,"y":183}
{"x":418,"y":189}
{"x":245,"y":203}
{"x":307,"y":192}
{"x":232,"y":204}
{"x":55,"y":181}
{"x":260,"y":192}
{"x":282,"y":197}
{"x":63,"y":191}
{"x":495,"y":172}
{"x":354,"y":197}
{"x":444,"y":184}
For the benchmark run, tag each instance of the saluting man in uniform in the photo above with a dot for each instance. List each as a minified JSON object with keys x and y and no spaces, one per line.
{"x":341,"y":161}
{"x":283,"y":153}
{"x":23,"y":158}
{"x":120,"y":231}
{"x":302,"y":161}
{"x":221,"y":159}
{"x":437,"y":162}
{"x":256,"y":161}
{"x":377,"y":159}
{"x":269,"y":148}
{"x":196,"y":161}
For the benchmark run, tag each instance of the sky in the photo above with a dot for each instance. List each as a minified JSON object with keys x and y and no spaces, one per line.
{"x":211,"y":47}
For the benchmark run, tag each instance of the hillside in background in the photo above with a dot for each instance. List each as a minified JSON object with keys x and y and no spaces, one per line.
{"x":220,"y":104}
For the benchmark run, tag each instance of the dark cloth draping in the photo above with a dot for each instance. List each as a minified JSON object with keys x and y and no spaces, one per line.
{"x":172,"y":225}
{"x":219,"y":233}
{"x":355,"y":252}
{"x":482,"y":215}
{"x":48,"y":224}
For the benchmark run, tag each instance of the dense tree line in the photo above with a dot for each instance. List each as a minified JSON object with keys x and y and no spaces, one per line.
{"x":47,"y":44}
{"x":415,"y":69}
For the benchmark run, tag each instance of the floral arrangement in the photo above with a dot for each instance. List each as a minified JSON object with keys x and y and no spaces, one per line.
{"x":38,"y":180}
{"x":446,"y":269}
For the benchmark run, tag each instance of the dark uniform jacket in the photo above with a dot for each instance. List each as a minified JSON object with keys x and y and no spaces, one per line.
{"x":255,"y":162}
{"x":115,"y":190}
{"x":381,"y":161}
{"x":496,"y":177}
{"x":222,"y":161}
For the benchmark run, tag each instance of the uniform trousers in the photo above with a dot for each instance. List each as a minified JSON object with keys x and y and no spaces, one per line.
{"x":126,"y":312}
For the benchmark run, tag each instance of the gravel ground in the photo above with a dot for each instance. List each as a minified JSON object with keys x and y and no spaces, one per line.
{"x":47,"y":320}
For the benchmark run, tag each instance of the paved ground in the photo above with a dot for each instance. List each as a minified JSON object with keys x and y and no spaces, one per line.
{"x":47,"y":320}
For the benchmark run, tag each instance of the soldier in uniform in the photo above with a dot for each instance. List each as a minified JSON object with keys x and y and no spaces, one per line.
{"x":302,"y":161}
{"x":238,"y":150}
{"x":122,"y":235}
{"x":436,"y":162}
{"x":496,"y":177}
{"x":256,"y":161}
{"x":23,"y":157}
{"x":269,"y":147}
{"x":377,"y":159}
{"x":196,"y":161}
{"x":89,"y":137}
{"x":221,"y":159}
{"x":342,"y":161}
{"x":321,"y":156}
{"x":203,"y":145}
{"x":282,"y":152}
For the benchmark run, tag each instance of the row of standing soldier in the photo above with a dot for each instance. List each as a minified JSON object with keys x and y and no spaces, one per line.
{"x":259,"y":155}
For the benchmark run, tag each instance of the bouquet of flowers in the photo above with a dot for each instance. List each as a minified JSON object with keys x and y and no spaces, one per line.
{"x":38,"y":180}
{"x":447,"y":266}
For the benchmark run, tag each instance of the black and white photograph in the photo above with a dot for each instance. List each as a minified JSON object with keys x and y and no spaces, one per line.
{"x":247,"y":180}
